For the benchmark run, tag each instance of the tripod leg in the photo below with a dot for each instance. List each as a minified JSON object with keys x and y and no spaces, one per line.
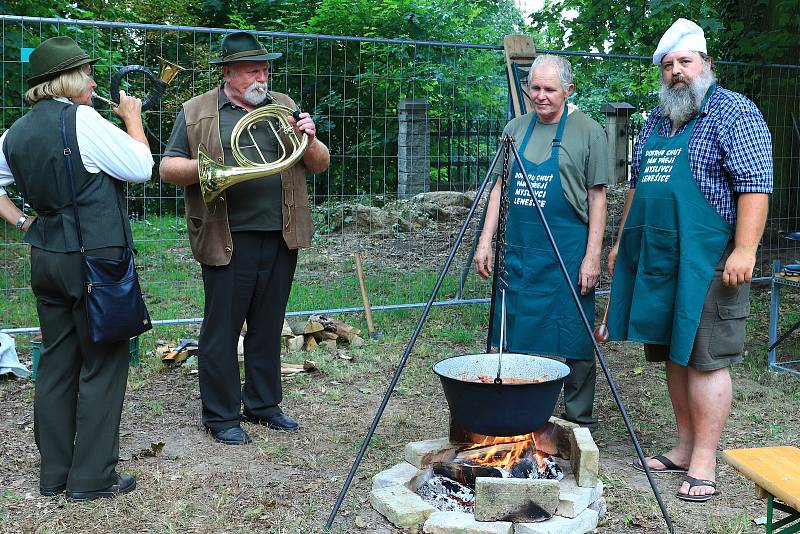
{"x":600,"y":358}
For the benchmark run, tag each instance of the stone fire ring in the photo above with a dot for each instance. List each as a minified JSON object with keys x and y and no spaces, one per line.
{"x":578,"y":503}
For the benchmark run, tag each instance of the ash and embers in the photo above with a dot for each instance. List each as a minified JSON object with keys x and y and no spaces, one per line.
{"x":448,"y":495}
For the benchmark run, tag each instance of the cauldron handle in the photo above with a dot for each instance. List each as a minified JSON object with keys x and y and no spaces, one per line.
{"x":497,"y":379}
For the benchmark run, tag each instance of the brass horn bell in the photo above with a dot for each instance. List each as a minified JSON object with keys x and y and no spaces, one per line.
{"x":216,"y":178}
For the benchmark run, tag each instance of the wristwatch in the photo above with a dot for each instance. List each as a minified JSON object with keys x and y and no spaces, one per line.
{"x":21,"y":221}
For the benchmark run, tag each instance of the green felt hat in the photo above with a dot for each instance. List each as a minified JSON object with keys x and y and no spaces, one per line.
{"x":54,"y":56}
{"x":243,"y":46}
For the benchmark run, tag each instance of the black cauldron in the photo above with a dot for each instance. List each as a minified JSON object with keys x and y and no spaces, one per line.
{"x":516,"y":406}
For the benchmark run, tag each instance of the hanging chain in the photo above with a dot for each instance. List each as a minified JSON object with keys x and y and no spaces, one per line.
{"x":503,"y":216}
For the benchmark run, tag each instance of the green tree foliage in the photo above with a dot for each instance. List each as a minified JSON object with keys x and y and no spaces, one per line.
{"x":359,"y":84}
{"x":764,"y":31}
{"x":752,"y":33}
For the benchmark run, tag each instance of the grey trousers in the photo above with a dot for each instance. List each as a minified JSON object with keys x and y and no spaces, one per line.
{"x":579,"y":389}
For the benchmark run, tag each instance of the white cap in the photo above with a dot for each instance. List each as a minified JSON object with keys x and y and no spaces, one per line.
{"x":682,"y":35}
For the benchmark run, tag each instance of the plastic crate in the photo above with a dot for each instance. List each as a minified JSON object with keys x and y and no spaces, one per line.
{"x":36,"y":347}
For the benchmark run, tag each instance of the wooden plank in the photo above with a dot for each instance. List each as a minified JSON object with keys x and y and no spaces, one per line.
{"x":519,"y":50}
{"x":775,"y":469}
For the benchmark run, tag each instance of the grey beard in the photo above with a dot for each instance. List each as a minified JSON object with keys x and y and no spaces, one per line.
{"x":680,"y":104}
{"x":256,"y":93}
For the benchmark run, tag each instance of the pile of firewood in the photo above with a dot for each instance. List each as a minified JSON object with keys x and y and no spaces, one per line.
{"x":319,"y":331}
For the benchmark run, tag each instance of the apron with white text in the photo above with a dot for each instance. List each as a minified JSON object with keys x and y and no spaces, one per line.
{"x":541,"y":317}
{"x":671,"y":244}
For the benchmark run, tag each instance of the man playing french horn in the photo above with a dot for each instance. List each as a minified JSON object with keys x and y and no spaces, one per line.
{"x":246,"y":240}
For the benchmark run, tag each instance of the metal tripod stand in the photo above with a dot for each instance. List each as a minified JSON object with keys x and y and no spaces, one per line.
{"x":506,"y":147}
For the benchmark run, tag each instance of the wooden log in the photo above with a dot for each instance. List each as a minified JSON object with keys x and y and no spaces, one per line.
{"x":294,"y":343}
{"x":326,"y":322}
{"x":480,"y":452}
{"x":310,"y":344}
{"x":325,"y":335}
{"x":464,"y":473}
{"x":297,"y":327}
{"x":345,"y":330}
{"x":313,"y":326}
{"x":287,"y":330}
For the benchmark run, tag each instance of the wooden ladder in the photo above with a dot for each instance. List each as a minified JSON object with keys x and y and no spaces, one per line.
{"x":520,"y":53}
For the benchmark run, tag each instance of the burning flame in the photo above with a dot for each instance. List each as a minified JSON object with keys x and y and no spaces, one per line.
{"x":505,"y":451}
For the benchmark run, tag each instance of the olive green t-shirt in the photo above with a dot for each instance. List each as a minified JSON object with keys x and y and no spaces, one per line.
{"x":583,"y":157}
{"x":254,"y":204}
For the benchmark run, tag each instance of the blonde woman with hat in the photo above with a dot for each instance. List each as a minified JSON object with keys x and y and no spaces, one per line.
{"x":81,"y":385}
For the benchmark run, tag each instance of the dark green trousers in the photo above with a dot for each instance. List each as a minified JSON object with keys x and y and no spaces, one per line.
{"x":579,"y":389}
{"x":80,"y":385}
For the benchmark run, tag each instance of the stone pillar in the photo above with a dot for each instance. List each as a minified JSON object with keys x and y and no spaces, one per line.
{"x":617,"y":115}
{"x":413,"y":148}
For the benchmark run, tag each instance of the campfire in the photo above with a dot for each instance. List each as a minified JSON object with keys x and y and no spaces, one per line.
{"x":495,"y":484}
{"x":514,"y":456}
{"x":452,"y":486}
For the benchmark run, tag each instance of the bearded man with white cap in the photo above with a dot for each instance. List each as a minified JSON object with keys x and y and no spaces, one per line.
{"x":682,"y":265}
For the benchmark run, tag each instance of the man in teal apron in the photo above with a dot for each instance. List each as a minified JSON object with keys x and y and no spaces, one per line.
{"x":565,"y":154}
{"x":693,"y":219}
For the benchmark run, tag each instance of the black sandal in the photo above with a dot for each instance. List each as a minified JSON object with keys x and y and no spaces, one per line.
{"x":669,"y":465}
{"x":697,"y":482}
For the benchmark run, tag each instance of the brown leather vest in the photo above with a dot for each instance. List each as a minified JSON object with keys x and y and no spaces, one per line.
{"x":209,"y":232}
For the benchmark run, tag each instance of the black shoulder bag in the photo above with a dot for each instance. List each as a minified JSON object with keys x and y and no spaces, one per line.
{"x":115,"y":309}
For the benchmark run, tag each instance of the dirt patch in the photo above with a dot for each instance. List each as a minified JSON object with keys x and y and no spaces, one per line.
{"x":287,"y":483}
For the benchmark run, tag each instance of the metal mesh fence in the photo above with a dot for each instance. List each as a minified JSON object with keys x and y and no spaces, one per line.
{"x":353,"y":87}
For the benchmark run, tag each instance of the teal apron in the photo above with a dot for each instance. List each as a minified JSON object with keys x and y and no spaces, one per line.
{"x":672,"y":241}
{"x":540,"y":314}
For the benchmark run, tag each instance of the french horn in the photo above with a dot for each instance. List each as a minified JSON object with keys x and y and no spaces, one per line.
{"x":216,"y":177}
{"x":166,"y":75}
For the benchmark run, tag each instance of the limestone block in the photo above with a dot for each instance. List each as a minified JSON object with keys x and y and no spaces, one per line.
{"x":461,"y":523}
{"x":585,"y":522}
{"x":584,"y":457}
{"x":600,"y":506}
{"x":398,"y":475}
{"x":422,"y":453}
{"x":574,"y":499}
{"x":498,"y":498}
{"x":401,"y":507}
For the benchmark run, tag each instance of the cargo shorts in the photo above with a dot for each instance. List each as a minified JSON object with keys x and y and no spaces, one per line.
{"x":719,"y":341}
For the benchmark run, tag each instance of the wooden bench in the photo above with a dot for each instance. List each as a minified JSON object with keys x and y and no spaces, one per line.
{"x":776,"y":473}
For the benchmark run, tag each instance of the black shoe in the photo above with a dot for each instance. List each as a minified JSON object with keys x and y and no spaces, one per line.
{"x":52,"y":492}
{"x":125,"y":484}
{"x":278,"y":421}
{"x":234,"y":435}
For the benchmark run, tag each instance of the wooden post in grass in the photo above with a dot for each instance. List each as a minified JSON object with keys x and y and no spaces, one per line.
{"x":364,"y":296}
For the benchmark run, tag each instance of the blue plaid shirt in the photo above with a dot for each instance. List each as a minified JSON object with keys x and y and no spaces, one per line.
{"x":730,"y":150}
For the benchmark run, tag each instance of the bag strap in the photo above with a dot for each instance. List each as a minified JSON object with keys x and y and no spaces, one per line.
{"x":68,"y":160}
